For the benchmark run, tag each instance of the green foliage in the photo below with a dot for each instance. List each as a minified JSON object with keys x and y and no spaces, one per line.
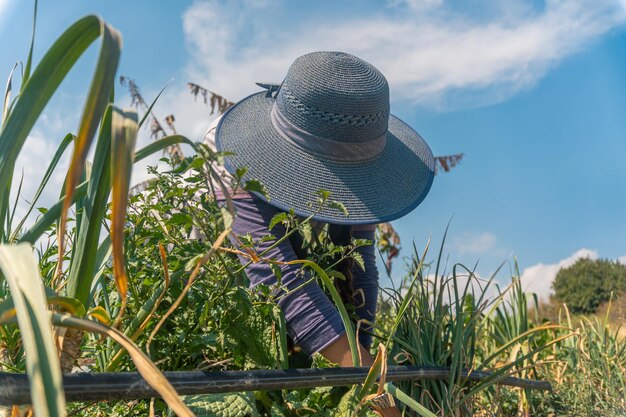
{"x":252,"y":329}
{"x":220,"y":324}
{"x":587,"y":371}
{"x":446,"y":319}
{"x":165,"y":213}
{"x":222,"y":405}
{"x":588,"y":283}
{"x":87,"y":187}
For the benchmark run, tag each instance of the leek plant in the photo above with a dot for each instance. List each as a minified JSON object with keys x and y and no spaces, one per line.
{"x":88,"y":188}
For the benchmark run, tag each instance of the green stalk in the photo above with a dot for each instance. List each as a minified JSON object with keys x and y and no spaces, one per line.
{"x":55,"y":160}
{"x":21,"y":271}
{"x":345,"y":318}
{"x":410,"y":402}
{"x":51,"y":216}
{"x":85,"y":250}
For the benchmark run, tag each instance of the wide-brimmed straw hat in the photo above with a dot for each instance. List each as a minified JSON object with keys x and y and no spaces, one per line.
{"x":328,"y":127}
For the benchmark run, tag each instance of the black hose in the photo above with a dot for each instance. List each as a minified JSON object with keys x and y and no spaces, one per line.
{"x":85,"y":387}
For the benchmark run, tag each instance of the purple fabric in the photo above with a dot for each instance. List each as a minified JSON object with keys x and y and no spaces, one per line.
{"x":312,"y":320}
{"x":367,"y":280}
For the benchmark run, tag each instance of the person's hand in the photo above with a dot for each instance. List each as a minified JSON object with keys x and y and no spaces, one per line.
{"x":339,"y":353}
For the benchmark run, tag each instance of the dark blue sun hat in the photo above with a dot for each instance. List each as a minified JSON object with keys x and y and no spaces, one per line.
{"x":328,"y":126}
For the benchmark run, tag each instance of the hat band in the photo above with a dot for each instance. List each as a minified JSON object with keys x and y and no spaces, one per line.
{"x":325,"y":148}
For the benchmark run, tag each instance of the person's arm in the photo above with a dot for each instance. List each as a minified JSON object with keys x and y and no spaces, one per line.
{"x":339,"y":352}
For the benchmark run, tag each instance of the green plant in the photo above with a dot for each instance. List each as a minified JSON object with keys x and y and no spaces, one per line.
{"x":448,"y":320}
{"x":588,"y":370}
{"x":114,"y":153}
{"x":588,"y":283}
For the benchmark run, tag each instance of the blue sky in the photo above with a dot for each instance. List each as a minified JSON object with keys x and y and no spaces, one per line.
{"x":533,"y":93}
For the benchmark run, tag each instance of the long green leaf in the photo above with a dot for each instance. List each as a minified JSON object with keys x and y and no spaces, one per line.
{"x":345,"y":318}
{"x":70,"y":305}
{"x":29,"y":61}
{"x":85,"y":249}
{"x":124,"y":131}
{"x":20,"y":269}
{"x":410,"y":402}
{"x":160,"y":145}
{"x":95,"y":107}
{"x":18,"y":195}
{"x":44,"y":81}
{"x":374,"y":372}
{"x":81,"y":205}
{"x":5,"y":210}
{"x":7,"y":94}
{"x":102,"y":259}
{"x":147,"y":113}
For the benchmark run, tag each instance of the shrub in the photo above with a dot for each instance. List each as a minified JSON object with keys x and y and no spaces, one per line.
{"x":589,"y":283}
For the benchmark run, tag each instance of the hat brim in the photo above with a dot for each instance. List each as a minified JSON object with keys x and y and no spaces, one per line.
{"x":377,"y":191}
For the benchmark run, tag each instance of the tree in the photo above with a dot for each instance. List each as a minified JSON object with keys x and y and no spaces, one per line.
{"x":589,"y":283}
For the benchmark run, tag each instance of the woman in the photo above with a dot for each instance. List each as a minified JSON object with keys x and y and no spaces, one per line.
{"x":326,"y":127}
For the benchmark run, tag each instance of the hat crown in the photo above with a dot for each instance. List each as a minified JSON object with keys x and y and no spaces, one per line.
{"x":336,"y":96}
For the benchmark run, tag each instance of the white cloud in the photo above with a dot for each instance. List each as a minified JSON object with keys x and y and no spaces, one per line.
{"x":622,"y":259}
{"x":417,"y":4}
{"x":538,"y":278}
{"x":4,"y":11}
{"x":474,"y":243}
{"x":437,"y":57}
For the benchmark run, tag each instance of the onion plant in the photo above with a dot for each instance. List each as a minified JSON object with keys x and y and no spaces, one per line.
{"x":447,"y":319}
{"x":588,"y":370}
